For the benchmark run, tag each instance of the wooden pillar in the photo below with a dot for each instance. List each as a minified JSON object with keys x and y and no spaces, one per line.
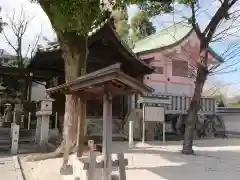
{"x":81,"y":122}
{"x":143,"y":125}
{"x":30,"y":86}
{"x":25,"y":95}
{"x":107,"y":136}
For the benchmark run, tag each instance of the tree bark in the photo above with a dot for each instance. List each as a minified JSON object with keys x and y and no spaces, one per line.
{"x":191,"y":119}
{"x":74,"y":52}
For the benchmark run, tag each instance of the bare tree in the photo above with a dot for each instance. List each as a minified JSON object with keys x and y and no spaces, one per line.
{"x":223,"y":24}
{"x":19,"y":24}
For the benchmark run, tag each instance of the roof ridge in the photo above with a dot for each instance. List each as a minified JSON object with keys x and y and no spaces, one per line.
{"x":150,"y":36}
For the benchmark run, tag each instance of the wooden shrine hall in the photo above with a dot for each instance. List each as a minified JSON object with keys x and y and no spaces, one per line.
{"x":105,"y":49}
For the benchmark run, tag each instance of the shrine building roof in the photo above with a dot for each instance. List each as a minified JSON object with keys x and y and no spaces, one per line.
{"x":168,"y":37}
{"x":105,"y":48}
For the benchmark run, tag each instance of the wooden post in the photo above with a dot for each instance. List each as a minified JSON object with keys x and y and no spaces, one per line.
{"x":143,"y":125}
{"x":25,"y":94}
{"x":14,"y":116}
{"x":80,"y":133}
{"x":30,"y":86}
{"x":56,"y":120}
{"x":92,"y":161}
{"x":107,"y":135}
{"x":122,"y":172}
{"x":29,"y":120}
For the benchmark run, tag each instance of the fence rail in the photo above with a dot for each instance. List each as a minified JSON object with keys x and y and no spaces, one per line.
{"x":180,"y":104}
{"x":227,"y":110}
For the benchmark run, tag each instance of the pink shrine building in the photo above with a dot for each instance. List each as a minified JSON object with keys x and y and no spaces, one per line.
{"x":172,"y":53}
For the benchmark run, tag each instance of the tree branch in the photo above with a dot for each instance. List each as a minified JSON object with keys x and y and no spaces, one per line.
{"x":221,"y":13}
{"x":9,"y":42}
{"x":193,"y":22}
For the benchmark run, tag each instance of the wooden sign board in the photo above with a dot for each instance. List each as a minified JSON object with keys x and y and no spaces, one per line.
{"x":156,"y":114}
{"x":154,"y":100}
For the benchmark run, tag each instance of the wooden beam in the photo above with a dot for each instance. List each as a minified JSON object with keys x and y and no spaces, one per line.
{"x":107,"y":135}
{"x":30,"y":87}
{"x":81,"y":124}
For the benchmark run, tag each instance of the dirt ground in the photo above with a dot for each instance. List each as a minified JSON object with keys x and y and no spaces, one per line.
{"x":215,"y":159}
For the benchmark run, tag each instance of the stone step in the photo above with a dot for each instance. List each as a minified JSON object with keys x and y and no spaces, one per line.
{"x":6,"y":124}
{"x":5,"y":143}
{"x":4,"y":148}
{"x":5,"y":137}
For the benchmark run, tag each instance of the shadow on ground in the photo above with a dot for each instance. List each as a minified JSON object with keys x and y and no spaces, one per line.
{"x":165,"y":162}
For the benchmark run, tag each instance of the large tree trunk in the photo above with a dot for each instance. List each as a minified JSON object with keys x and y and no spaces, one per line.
{"x":191,"y":119}
{"x":74,"y":52}
{"x":75,"y":55}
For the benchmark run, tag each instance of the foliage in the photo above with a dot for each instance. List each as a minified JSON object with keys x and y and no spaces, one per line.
{"x":75,"y":15}
{"x":121,"y":22}
{"x":221,"y":103}
{"x":220,"y":100}
{"x":157,"y":7}
{"x":141,"y":26}
{"x":2,"y":23}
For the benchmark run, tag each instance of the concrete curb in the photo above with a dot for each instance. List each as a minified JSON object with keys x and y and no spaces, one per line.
{"x":18,"y":168}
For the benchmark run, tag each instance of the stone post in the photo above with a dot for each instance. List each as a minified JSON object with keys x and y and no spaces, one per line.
{"x":15,"y":138}
{"x":130,"y":138}
{"x":43,"y":117}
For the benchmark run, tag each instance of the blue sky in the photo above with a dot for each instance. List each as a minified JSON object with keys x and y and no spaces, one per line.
{"x":41,"y":25}
{"x":208,"y":8}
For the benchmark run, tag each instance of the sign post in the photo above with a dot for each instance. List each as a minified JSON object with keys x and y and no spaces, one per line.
{"x":155,"y":114}
{"x":143,"y":125}
{"x":154,"y":111}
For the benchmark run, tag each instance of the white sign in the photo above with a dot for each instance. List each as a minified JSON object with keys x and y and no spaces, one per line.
{"x":154,"y":114}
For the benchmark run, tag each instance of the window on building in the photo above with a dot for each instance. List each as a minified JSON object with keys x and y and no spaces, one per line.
{"x":148,"y":60}
{"x":158,"y":70}
{"x":179,"y":68}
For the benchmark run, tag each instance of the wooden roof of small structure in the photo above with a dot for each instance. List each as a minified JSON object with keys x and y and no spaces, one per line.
{"x":105,"y":48}
{"x":109,"y":79}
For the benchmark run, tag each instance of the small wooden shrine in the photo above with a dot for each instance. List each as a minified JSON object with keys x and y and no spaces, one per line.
{"x":104,"y":84}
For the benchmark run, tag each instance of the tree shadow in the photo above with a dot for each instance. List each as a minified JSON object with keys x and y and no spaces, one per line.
{"x":208,"y":163}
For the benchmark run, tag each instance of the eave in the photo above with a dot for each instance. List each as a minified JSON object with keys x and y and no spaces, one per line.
{"x":210,"y":50}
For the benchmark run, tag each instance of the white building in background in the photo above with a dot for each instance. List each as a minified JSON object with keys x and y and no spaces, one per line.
{"x":6,"y":59}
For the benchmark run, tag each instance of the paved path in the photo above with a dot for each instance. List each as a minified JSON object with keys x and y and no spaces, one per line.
{"x":216,"y":159}
{"x":8,"y":169}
